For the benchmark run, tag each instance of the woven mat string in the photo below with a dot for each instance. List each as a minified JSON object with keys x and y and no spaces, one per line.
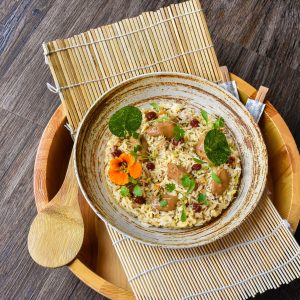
{"x":123,"y":35}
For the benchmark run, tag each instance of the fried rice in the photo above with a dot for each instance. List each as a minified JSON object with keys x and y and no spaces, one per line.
{"x":163,"y":151}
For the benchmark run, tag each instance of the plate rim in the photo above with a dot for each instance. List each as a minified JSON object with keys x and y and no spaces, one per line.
{"x":195,"y":78}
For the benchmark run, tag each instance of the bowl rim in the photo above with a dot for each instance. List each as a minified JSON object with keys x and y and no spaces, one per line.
{"x":234,"y":224}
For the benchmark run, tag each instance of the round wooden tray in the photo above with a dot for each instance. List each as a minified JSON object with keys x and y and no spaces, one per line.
{"x":97,"y":264}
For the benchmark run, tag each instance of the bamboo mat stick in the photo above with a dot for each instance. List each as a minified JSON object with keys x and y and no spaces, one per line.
{"x":172,"y":39}
{"x":223,"y":268}
{"x":176,"y":39}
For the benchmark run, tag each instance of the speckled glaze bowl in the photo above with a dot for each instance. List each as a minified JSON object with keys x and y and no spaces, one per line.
{"x":93,"y":135}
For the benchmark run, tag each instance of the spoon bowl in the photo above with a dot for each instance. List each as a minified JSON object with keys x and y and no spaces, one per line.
{"x":56,"y":234}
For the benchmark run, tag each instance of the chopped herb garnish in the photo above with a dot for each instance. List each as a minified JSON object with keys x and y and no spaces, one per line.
{"x":163,"y":203}
{"x":183,"y":214}
{"x":170,"y":187}
{"x":199,"y":161}
{"x":219,"y":123}
{"x":125,"y":121}
{"x":202,"y":199}
{"x":132,"y":180}
{"x":135,"y":134}
{"x":124,"y":191}
{"x":179,"y":133}
{"x":216,"y":178}
{"x":191,"y":186}
{"x":137,"y":148}
{"x":137,"y":191}
{"x":188,"y":183}
{"x":204,"y":115}
{"x":155,"y":106}
{"x":216,"y":147}
{"x":185,"y":180}
{"x":162,"y":119}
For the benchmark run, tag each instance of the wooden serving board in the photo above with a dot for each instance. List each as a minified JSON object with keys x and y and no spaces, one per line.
{"x":97,"y":264}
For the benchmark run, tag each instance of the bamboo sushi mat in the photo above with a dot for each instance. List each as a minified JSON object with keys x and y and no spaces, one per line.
{"x":262,"y":253}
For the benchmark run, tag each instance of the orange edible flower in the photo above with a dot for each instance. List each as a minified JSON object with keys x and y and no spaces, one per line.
{"x":120,"y":167}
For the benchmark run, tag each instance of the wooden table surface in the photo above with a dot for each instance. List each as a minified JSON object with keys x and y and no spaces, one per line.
{"x":258,"y":40}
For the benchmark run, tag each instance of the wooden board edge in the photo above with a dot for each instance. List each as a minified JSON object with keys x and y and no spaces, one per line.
{"x":41,"y":160}
{"x":290,"y":146}
{"x":77,"y":267}
{"x":97,"y":283}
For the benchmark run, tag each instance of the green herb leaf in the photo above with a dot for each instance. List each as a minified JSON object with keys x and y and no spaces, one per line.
{"x":199,"y":161}
{"x":179,"y":133}
{"x":216,"y":147}
{"x":124,"y":191}
{"x":216,"y":178}
{"x":191,"y":186}
{"x":137,"y":191}
{"x":219,"y":123}
{"x":134,"y":154}
{"x":155,"y":106}
{"x":188,"y":183}
{"x":170,"y":187}
{"x":204,"y":115}
{"x":127,"y":119}
{"x":135,"y":135}
{"x":185,"y":181}
{"x":136,"y":148}
{"x":183,"y":214}
{"x":202,"y":199}
{"x":162,"y":119}
{"x":163,"y":203}
{"x":132,"y":180}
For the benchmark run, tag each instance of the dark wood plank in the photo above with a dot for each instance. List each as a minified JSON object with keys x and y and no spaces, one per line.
{"x":269,"y":28}
{"x":257,"y":40}
{"x":13,"y":131}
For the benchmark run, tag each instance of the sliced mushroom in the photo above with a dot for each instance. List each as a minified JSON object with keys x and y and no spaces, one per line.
{"x":199,"y":148}
{"x":145,"y":146}
{"x":154,"y":130}
{"x":175,"y":172}
{"x":220,"y":188}
{"x":164,"y":128}
{"x":171,"y":203}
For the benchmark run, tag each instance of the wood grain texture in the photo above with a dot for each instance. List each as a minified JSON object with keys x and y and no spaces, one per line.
{"x":56,"y":233}
{"x":97,"y":264}
{"x":257,"y":40}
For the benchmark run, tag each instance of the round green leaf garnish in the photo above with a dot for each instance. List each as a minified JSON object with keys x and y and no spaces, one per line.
{"x":124,"y":191}
{"x":216,"y":147}
{"x":163,"y":203}
{"x":179,"y":133}
{"x":137,"y":191}
{"x":170,"y":187}
{"x":126,"y":120}
{"x":202,"y":199}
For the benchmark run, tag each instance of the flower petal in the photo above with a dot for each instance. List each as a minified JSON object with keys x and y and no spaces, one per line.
{"x":128,"y":158}
{"x":135,"y":170}
{"x":118,"y":177}
{"x":115,"y":163}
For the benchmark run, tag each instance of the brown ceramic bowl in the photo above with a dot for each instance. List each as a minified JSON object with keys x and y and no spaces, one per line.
{"x":93,"y":135}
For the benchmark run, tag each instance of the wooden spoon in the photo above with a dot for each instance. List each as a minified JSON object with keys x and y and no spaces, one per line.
{"x":56,"y":233}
